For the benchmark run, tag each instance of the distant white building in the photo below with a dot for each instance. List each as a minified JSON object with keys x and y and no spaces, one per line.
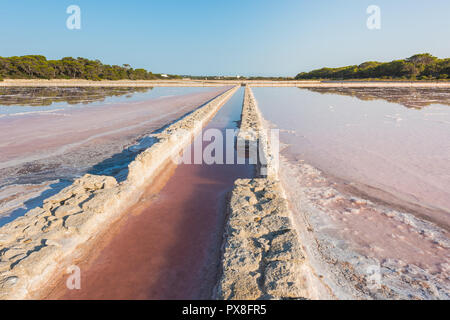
{"x":164,"y":76}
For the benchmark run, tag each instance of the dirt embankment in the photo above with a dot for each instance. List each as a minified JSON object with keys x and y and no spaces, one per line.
{"x":215,"y":83}
{"x":262,"y":252}
{"x":35,"y":246}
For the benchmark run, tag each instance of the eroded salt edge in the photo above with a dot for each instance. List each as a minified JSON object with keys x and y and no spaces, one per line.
{"x":44,"y":240}
{"x":347,"y":273}
{"x":262,"y":255}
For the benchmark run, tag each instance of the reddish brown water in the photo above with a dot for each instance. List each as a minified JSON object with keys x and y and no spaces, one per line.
{"x":168,"y":246}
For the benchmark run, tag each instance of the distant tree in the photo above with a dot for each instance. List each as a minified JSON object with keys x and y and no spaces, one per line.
{"x":37,"y":66}
{"x":422,"y":58}
{"x":421,"y":66}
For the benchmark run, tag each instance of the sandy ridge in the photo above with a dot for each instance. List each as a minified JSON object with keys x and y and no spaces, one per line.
{"x":44,"y":241}
{"x":215,"y":83}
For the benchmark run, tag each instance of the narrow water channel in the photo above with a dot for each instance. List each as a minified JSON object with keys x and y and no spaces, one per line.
{"x":168,"y":245}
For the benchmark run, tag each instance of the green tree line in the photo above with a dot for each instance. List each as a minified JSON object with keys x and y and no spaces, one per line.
{"x":422,"y":66}
{"x":38,"y":67}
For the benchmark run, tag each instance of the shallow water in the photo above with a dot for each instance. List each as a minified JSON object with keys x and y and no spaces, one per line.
{"x":41,"y":152}
{"x":369,"y":184}
{"x":26,"y":100}
{"x":373,"y":144}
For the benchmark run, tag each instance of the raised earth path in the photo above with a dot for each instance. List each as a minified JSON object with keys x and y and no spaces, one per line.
{"x":262,"y":254}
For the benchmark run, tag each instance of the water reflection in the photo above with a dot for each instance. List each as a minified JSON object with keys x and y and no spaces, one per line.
{"x":374,"y":145}
{"x":46,"y":96}
{"x":414,"y":98}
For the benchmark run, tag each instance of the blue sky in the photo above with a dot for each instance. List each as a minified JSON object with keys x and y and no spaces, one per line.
{"x":233,"y":37}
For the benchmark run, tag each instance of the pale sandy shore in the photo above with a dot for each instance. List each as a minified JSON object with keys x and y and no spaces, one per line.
{"x":213,"y":83}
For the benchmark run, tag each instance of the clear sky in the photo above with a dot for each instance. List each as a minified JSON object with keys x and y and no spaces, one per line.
{"x":226,"y":37}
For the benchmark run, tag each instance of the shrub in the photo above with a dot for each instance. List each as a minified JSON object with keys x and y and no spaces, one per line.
{"x":420,"y":66}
